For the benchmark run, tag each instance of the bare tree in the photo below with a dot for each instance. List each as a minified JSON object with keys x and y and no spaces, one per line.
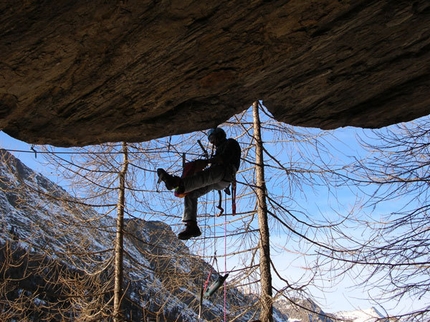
{"x":119,"y":240}
{"x":36,"y":282}
{"x":97,"y":185}
{"x":391,"y":257}
{"x":296,"y":161}
{"x":266,"y":276}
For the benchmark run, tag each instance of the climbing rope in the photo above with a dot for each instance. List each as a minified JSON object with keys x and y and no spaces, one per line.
{"x":208,"y":290}
{"x":225,"y":266}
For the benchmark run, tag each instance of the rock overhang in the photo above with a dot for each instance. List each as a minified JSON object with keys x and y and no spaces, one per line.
{"x":75,"y":73}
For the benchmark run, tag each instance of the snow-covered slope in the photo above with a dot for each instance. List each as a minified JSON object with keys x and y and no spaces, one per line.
{"x":368,"y":315}
{"x":302,"y":310}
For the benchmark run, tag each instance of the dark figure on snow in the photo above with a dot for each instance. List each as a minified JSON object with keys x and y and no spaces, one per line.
{"x":223,"y":167}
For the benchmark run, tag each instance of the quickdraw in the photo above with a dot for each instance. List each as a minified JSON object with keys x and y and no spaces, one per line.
{"x":233,"y":198}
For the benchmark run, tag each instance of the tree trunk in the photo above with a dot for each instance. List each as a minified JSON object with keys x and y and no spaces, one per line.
{"x":119,"y":240}
{"x":265,"y":274}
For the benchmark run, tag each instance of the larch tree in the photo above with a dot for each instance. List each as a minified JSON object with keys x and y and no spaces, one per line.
{"x":388,"y":253}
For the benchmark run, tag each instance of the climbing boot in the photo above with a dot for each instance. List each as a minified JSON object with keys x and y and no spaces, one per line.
{"x":171,"y":182}
{"x":191,"y":230}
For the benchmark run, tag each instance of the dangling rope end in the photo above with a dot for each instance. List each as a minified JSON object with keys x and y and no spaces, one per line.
{"x":219,"y":206}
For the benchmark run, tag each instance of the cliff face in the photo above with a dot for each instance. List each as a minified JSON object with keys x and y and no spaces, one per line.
{"x":83,"y":72}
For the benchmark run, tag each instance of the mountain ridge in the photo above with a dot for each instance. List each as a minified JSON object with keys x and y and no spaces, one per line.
{"x":54,"y":245}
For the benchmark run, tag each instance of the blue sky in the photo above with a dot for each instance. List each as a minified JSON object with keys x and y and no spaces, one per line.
{"x":24,"y":152}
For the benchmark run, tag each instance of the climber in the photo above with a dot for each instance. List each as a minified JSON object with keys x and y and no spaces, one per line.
{"x":221,"y":172}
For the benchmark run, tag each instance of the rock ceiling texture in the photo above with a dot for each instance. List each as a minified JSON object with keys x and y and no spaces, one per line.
{"x":79,"y":72}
